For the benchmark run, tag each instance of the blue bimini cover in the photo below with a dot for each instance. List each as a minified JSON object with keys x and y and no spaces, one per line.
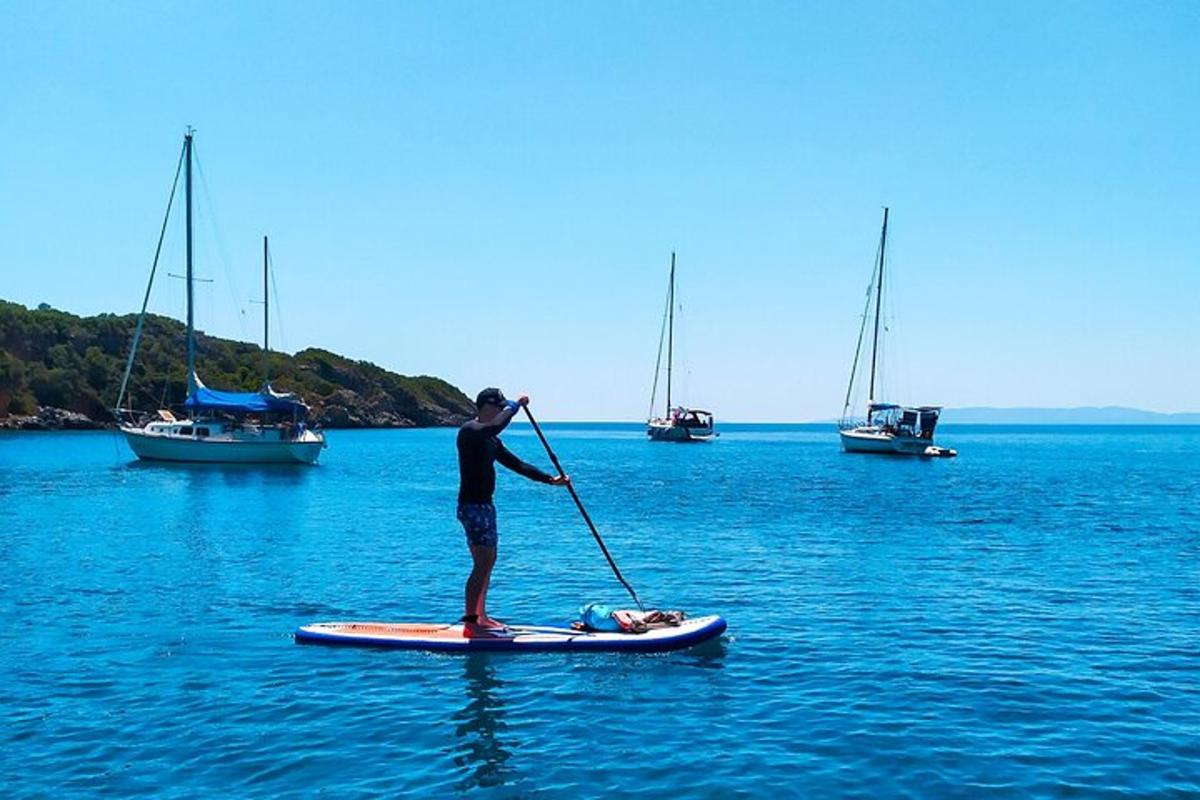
{"x":205,"y":399}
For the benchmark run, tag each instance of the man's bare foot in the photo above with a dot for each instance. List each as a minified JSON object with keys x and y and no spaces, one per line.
{"x":476,"y":630}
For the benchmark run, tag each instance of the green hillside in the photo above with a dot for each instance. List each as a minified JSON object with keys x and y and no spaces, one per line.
{"x":52,"y":358}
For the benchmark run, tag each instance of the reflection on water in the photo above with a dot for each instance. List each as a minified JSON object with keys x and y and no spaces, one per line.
{"x":226,"y":474}
{"x":226,"y":516}
{"x":484,"y":742}
{"x":480,"y":752}
{"x":706,"y":655}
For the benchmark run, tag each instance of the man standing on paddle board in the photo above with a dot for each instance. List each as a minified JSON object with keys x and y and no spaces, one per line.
{"x":479,"y":447}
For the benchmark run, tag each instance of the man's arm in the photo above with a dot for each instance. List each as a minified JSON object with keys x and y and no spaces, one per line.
{"x":484,"y":430}
{"x":505,"y":457}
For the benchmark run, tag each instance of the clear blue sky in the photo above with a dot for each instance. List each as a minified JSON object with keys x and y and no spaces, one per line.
{"x":490,"y":192}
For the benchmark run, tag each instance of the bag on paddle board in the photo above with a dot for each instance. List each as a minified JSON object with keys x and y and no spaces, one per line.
{"x":598,"y":617}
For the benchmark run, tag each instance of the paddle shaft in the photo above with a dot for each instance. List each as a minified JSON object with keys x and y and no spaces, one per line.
{"x":583,"y":511}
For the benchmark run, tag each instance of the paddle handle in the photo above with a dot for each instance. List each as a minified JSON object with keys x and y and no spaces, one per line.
{"x":583,"y":511}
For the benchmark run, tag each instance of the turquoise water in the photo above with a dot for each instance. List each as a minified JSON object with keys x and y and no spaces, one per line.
{"x":1021,"y":621}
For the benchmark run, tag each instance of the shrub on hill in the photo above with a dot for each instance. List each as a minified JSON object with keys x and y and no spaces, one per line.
{"x":52,"y":358}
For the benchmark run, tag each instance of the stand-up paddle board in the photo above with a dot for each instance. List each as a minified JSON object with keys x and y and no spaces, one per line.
{"x":518,"y":638}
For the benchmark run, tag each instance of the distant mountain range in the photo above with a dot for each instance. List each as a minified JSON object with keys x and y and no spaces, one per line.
{"x":1085,"y":415}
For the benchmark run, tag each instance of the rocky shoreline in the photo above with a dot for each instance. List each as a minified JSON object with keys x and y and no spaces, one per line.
{"x":49,"y":418}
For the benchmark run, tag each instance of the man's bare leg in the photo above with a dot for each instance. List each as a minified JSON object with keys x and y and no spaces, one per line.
{"x":484,"y":559}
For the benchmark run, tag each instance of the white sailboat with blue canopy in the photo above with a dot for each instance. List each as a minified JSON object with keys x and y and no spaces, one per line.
{"x":889,"y":428}
{"x":220,"y":426}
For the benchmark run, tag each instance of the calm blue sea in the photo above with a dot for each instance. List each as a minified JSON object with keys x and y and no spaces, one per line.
{"x":1021,"y":621}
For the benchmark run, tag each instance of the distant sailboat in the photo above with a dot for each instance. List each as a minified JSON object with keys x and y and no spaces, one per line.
{"x":224,"y":427}
{"x":679,"y":423}
{"x":889,"y":428}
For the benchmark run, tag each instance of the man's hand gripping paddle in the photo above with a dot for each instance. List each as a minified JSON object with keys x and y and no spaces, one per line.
{"x":582,"y":510}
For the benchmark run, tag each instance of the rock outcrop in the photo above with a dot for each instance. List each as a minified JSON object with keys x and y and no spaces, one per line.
{"x":49,"y":418}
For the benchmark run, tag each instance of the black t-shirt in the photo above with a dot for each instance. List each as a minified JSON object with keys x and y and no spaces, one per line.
{"x":479,"y":447}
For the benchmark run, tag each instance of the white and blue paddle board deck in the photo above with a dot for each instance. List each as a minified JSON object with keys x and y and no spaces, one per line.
{"x":519,"y":638}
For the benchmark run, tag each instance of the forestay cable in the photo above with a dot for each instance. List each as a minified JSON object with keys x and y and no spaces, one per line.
{"x":137,"y":333}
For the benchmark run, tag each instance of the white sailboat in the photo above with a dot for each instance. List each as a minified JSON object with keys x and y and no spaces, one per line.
{"x":220,"y":427}
{"x":678,"y":423}
{"x":889,"y":428}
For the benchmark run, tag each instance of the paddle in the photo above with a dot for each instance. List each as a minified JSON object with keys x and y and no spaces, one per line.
{"x":578,"y":504}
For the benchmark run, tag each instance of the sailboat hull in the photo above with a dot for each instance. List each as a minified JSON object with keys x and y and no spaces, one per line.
{"x":304,"y":449}
{"x":679,"y":434}
{"x":876,"y":440}
{"x":666,"y":430}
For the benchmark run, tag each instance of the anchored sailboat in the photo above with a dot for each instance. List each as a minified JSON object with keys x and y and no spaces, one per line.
{"x":889,"y":428}
{"x":679,"y":423}
{"x":224,"y":427}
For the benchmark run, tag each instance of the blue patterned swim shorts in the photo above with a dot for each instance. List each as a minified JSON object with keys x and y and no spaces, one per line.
{"x":479,"y":522}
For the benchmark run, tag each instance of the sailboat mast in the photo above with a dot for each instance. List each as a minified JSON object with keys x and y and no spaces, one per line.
{"x":878,"y":303}
{"x":670,"y":331}
{"x":191,"y":329}
{"x":266,"y":318}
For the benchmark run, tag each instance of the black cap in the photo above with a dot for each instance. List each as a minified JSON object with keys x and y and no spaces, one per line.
{"x":492,"y":396}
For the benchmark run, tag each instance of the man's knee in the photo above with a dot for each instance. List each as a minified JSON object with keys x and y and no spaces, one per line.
{"x":484,"y":556}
